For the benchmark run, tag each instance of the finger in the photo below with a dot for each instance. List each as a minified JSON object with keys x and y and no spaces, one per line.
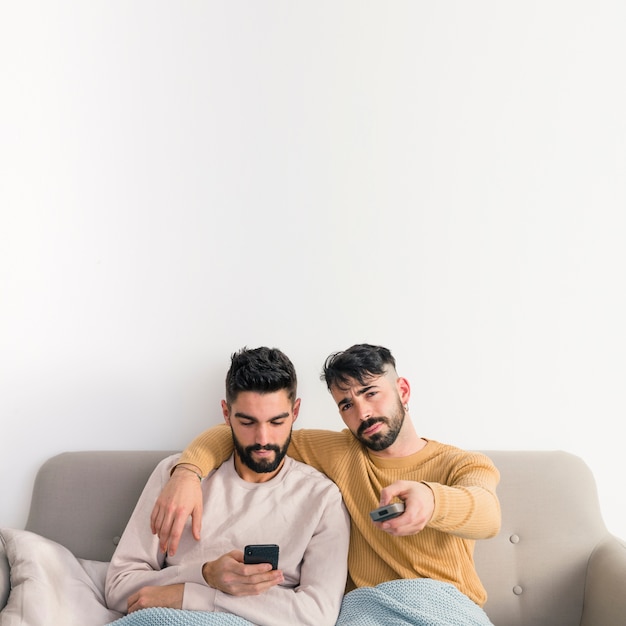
{"x":258,"y":583}
{"x":131,"y":603}
{"x":257,"y":574}
{"x":196,"y":522}
{"x":269,"y":580}
{"x":237,"y":555}
{"x":174,"y":533}
{"x":156,"y":519}
{"x":395,"y":490}
{"x":250,"y":570}
{"x":164,"y":532}
{"x":407,"y":524}
{"x":388,"y":494}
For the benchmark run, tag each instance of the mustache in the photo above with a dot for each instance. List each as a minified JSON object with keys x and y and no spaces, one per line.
{"x":368,"y":423}
{"x":257,"y":446}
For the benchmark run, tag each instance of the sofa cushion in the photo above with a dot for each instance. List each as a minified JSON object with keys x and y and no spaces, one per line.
{"x":49,"y":585}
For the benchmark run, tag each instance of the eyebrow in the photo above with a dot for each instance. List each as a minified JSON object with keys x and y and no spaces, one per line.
{"x":358,"y":392}
{"x":244,"y":416}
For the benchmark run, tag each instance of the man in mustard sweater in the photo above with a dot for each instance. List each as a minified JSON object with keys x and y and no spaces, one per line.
{"x":449,"y":494}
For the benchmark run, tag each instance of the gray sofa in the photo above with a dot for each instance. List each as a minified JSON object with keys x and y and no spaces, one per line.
{"x":553,"y":564}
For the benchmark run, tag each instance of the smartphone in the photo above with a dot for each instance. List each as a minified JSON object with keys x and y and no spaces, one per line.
{"x":390,"y":511}
{"x":261,"y":553}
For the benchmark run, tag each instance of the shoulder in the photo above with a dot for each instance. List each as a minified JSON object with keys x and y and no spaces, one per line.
{"x":436,"y":447}
{"x":313,"y":480}
{"x":453,"y":456}
{"x":302,"y":471}
{"x":166,"y":465}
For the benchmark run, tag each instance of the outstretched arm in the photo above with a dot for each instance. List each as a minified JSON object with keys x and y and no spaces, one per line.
{"x":466,"y":505}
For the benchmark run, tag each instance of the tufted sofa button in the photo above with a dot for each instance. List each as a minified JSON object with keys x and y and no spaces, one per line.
{"x":116,"y":540}
{"x":514,"y":538}
{"x":517,"y":590}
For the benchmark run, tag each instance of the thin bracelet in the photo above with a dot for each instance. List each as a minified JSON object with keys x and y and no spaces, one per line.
{"x":189,"y":470}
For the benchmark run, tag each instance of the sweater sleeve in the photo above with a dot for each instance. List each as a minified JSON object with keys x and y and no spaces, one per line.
{"x":137,"y":561}
{"x":209,"y":449}
{"x":467,"y":505}
{"x":319,"y":448}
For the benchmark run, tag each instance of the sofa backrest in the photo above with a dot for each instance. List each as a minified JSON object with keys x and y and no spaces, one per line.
{"x":83,"y":500}
{"x":533,"y":571}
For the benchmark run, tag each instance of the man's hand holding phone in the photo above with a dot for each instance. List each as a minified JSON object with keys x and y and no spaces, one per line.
{"x":231,"y":575}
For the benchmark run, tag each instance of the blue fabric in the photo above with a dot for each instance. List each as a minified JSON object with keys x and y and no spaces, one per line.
{"x":415,"y":602}
{"x":159,"y":616}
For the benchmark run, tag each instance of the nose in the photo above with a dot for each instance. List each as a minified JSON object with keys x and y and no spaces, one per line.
{"x":262,"y":436}
{"x":364,"y":411}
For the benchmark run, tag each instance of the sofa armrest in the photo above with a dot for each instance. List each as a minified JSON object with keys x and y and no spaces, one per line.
{"x":605,"y":585}
{"x":5,"y":580}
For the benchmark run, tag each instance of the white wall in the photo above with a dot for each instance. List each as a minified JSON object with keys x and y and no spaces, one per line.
{"x":181,"y":179}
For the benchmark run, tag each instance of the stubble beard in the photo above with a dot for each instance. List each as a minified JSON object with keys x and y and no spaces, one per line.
{"x":264,"y":466}
{"x":381,"y":441}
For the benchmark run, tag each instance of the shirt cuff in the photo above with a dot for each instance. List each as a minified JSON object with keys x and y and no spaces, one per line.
{"x":197,"y":595}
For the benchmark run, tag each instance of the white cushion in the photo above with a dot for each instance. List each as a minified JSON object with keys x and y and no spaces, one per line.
{"x":49,"y":585}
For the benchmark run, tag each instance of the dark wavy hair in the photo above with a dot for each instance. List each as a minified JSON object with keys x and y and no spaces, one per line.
{"x":360,"y":362}
{"x":263,"y":370}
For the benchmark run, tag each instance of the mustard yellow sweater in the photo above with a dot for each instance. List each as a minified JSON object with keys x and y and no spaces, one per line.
{"x":466,"y":506}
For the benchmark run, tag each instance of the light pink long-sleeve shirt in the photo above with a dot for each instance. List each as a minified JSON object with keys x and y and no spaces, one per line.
{"x":299,"y":509}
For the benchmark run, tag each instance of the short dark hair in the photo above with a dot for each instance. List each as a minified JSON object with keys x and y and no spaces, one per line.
{"x":263,"y":370}
{"x":360,"y":362}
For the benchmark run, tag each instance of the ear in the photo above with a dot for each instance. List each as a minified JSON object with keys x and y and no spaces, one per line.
{"x":404,"y":390}
{"x":296,"y":409}
{"x":226,"y":412}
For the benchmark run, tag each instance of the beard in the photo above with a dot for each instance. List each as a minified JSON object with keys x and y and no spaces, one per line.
{"x":264,"y":466}
{"x":382,"y":440}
